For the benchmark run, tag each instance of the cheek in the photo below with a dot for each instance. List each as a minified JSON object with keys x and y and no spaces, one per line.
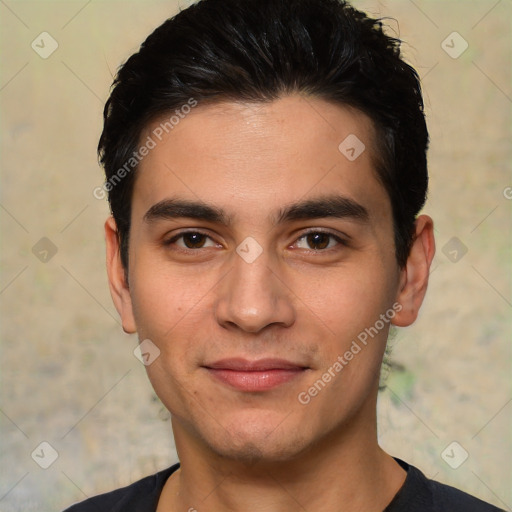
{"x":164,"y":296}
{"x":168,"y":310}
{"x":344,"y":300}
{"x":347,"y":308}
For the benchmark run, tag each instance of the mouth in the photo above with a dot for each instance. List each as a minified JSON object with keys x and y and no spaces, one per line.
{"x":253,"y":376}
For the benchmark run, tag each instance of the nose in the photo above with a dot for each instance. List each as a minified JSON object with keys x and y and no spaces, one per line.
{"x":254,"y":296}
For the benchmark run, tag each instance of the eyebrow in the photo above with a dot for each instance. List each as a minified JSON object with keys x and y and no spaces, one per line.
{"x":334,"y":206}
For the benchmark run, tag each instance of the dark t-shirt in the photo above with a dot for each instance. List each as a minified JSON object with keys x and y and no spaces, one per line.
{"x":418,"y":494}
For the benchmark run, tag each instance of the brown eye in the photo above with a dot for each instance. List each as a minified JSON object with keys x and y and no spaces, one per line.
{"x":194,"y":240}
{"x":191,"y":240}
{"x":318,"y":241}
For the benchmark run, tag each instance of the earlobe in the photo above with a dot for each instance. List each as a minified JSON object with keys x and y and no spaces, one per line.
{"x":119,"y":289}
{"x":414,"y":277}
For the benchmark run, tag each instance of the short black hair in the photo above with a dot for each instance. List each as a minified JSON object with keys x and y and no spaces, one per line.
{"x":259,"y":51}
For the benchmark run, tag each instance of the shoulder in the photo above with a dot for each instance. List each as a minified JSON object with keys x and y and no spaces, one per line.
{"x":420,"y":494}
{"x":454,"y":500}
{"x":143,"y":493}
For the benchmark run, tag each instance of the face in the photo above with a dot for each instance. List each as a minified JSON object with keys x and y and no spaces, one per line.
{"x":260,"y":256}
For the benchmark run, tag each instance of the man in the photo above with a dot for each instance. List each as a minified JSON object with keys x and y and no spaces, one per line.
{"x":266,"y":165}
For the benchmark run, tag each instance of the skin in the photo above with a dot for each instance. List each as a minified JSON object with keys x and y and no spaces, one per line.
{"x":300,"y":300}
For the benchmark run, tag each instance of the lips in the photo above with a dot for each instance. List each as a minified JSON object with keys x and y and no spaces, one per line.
{"x":253,"y":376}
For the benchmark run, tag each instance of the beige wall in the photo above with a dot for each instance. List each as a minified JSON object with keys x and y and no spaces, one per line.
{"x":68,"y":374}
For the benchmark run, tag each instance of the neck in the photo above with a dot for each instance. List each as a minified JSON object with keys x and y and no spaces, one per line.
{"x":343,"y":472}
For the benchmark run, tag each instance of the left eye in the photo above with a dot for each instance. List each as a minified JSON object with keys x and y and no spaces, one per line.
{"x":317,"y":240}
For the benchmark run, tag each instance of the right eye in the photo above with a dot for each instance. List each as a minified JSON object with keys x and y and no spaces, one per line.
{"x":190,"y":240}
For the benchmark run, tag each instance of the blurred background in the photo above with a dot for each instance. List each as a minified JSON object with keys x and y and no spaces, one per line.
{"x":77,"y":414}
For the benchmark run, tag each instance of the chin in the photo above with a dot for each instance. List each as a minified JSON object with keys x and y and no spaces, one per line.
{"x":258,"y":439}
{"x":252,"y":451}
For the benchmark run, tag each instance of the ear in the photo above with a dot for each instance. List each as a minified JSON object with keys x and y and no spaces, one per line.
{"x":116,"y":278}
{"x":414,"y":277}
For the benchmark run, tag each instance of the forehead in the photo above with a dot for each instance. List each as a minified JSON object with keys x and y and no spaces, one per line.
{"x":252,"y":157}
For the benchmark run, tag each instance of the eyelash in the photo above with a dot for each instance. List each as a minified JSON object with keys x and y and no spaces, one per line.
{"x":338,"y":239}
